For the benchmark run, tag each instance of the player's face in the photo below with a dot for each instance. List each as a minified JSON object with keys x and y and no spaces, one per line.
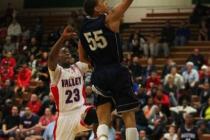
{"x":65,"y":56}
{"x":102,"y":7}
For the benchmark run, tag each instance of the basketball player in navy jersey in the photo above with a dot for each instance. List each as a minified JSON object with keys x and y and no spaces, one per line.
{"x":100,"y":45}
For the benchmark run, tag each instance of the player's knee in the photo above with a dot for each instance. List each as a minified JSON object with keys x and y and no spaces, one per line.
{"x":129,"y":119}
{"x":104,"y":113}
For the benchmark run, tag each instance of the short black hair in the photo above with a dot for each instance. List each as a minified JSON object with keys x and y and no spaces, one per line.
{"x":89,"y":6}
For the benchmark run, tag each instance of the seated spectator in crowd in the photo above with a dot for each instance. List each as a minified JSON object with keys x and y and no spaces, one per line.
{"x":157,"y":123}
{"x":136,"y":69}
{"x":48,"y":133}
{"x":142,"y":96}
{"x":8,"y":46}
{"x":188,"y":130}
{"x":178,"y":111}
{"x":14,"y":29}
{"x":205,"y":112}
{"x":190,"y":75}
{"x":203,"y":32}
{"x":153,"y":42}
{"x":149,"y":109}
{"x":171,"y":135}
{"x":167,"y":35}
{"x":178,"y":79}
{"x":33,"y":64}
{"x":204,"y":75}
{"x":3,"y":31}
{"x":171,"y":89}
{"x":34,"y":104}
{"x":46,"y":119}
{"x":38,"y":29}
{"x":135,"y":44}
{"x":33,"y":48}
{"x":23,"y":78}
{"x":28,"y":124}
{"x":142,"y":135}
{"x":6,"y":72}
{"x":6,"y":92}
{"x":152,"y":82}
{"x":11,"y":123}
{"x":26,"y":33}
{"x":167,"y":67}
{"x":49,"y":103}
{"x":162,"y":100}
{"x":150,"y":67}
{"x":9,"y":59}
{"x":197,"y":59}
{"x":182,"y":35}
{"x":204,"y":93}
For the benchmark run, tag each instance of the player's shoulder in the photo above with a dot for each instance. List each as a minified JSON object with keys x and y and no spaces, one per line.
{"x":83,"y":67}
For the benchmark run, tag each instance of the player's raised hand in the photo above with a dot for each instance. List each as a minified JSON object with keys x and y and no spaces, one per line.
{"x":68,"y":33}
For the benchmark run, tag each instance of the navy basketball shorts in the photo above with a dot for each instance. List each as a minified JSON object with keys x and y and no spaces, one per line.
{"x":113,"y":84}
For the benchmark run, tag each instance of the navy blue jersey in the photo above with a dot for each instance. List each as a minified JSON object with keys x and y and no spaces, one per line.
{"x":102,"y":45}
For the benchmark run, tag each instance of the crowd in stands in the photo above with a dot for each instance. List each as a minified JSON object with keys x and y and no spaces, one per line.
{"x":27,"y":109}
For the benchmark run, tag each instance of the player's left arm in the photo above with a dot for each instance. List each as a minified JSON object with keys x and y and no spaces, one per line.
{"x":117,"y":13}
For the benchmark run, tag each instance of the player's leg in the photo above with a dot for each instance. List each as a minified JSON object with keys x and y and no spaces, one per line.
{"x":104,"y":118}
{"x":126,"y":103}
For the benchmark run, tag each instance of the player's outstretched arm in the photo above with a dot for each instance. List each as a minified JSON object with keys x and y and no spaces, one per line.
{"x":117,"y":13}
{"x":53,"y":55}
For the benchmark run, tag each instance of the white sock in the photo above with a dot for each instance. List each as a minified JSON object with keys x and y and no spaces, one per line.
{"x":132,"y":134}
{"x":102,"y":132}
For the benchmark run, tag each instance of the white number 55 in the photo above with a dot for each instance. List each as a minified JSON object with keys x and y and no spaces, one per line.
{"x":96,"y":40}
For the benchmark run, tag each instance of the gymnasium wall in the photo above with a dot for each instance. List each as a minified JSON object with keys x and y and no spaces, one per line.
{"x":18,"y":4}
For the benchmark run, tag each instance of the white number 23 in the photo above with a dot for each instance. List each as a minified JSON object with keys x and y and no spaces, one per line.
{"x":96,"y":40}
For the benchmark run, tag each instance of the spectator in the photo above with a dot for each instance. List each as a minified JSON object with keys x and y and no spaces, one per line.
{"x":48,"y":133}
{"x":204,"y":75}
{"x":136,"y":69}
{"x":188,"y":130}
{"x":167,"y":67}
{"x":46,"y":119}
{"x":171,"y":135}
{"x":23,"y":78}
{"x":135,"y":44}
{"x":178,"y":111}
{"x":149,"y":109}
{"x":6,"y":92}
{"x":6,"y":72}
{"x":8,"y":46}
{"x":162,"y":100}
{"x":49,"y":103}
{"x":150,"y":67}
{"x":197,"y":59}
{"x":178,"y":79}
{"x":171,"y":90}
{"x":157,"y":123}
{"x":205,"y":112}
{"x":26,"y":33}
{"x":153,"y":45}
{"x":14,"y":29}
{"x":9,"y":60}
{"x":142,"y":96}
{"x":28,"y":124}
{"x":152,"y":82}
{"x":142,"y":135}
{"x":34,"y":104}
{"x":205,"y":93}
{"x":203,"y":32}
{"x":38,"y":29}
{"x":33,"y":64}
{"x":191,"y":76}
{"x":182,"y":35}
{"x":33,"y":48}
{"x":167,"y":35}
{"x":11,"y":123}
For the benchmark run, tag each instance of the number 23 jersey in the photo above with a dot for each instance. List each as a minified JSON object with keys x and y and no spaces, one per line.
{"x":67,"y":86}
{"x":102,"y":45}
